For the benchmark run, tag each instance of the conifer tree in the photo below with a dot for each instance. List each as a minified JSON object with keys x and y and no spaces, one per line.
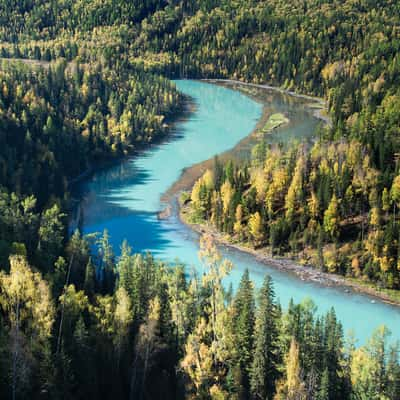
{"x":90,"y":279}
{"x":323,"y":392}
{"x":243,"y":325}
{"x":265,"y":366}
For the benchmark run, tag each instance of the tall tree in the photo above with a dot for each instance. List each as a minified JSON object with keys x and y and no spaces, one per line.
{"x":26,"y":301}
{"x":292,"y":386}
{"x":243,"y":325}
{"x":266,"y":361}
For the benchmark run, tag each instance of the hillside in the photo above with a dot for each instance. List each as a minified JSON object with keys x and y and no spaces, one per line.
{"x":79,"y":322}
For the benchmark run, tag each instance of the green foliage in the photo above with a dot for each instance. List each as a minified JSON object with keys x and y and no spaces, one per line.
{"x":130,"y":342}
{"x":266,"y":360}
{"x":322,"y":202}
{"x":122,"y":327}
{"x":92,"y":112}
{"x":243,"y":327}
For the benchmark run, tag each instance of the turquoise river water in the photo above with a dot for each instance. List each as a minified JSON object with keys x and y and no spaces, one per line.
{"x":125,"y":199}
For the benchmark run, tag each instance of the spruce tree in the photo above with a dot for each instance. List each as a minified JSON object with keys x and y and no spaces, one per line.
{"x":333,"y":354}
{"x":90,"y":279}
{"x":243,"y":324}
{"x":323,"y":392}
{"x":264,"y":371}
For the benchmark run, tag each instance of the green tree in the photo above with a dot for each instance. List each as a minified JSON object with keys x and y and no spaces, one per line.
{"x":323,"y":392}
{"x":243,"y":325}
{"x":51,"y":236}
{"x":266,"y":360}
{"x":89,"y":284}
{"x":331,"y":218}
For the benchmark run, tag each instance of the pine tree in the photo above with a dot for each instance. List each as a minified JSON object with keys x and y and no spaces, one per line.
{"x":218,"y":173}
{"x":334,"y":356}
{"x":51,"y":236}
{"x":264,"y":371}
{"x":107,"y":262}
{"x":323,"y":392}
{"x":90,"y":279}
{"x":393,"y":373}
{"x":243,"y":325}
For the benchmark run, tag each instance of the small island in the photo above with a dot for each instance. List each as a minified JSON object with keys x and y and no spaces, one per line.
{"x":274,"y":121}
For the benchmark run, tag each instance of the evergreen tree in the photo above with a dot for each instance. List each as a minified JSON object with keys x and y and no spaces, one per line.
{"x":266,"y":361}
{"x":243,"y":325}
{"x":90,"y":280}
{"x":323,"y":392}
{"x":334,"y":356}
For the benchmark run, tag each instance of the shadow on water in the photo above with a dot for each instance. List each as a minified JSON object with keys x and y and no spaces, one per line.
{"x":125,"y":198}
{"x":114,"y":197}
{"x":142,"y":230}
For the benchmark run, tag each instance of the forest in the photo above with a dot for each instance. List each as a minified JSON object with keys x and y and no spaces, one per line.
{"x":86,"y":82}
{"x":133,"y":327}
{"x":325,"y":204}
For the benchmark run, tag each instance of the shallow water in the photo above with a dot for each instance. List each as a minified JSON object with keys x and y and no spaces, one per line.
{"x":125,"y":198}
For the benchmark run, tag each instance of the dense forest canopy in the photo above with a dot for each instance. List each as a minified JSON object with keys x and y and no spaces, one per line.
{"x":83,"y":82}
{"x":49,"y":112}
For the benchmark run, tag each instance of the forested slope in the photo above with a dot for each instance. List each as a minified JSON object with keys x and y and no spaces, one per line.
{"x":334,"y":203}
{"x":81,"y":324}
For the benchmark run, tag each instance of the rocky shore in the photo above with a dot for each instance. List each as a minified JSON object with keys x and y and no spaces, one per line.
{"x":304,"y":272}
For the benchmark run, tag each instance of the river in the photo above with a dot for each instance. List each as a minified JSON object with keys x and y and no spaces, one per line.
{"x":125,"y":198}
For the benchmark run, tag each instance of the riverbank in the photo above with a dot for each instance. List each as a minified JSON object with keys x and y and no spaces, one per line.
{"x":260,"y":94}
{"x":318,"y":104}
{"x":125,"y":200}
{"x":289,"y":265}
{"x":185,"y":109}
{"x":180,"y":114}
{"x":304,"y":272}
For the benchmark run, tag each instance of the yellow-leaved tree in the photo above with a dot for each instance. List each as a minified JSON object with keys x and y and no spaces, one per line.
{"x":208,"y":348}
{"x":292,"y":387}
{"x":26,"y":302}
{"x":256,"y":228}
